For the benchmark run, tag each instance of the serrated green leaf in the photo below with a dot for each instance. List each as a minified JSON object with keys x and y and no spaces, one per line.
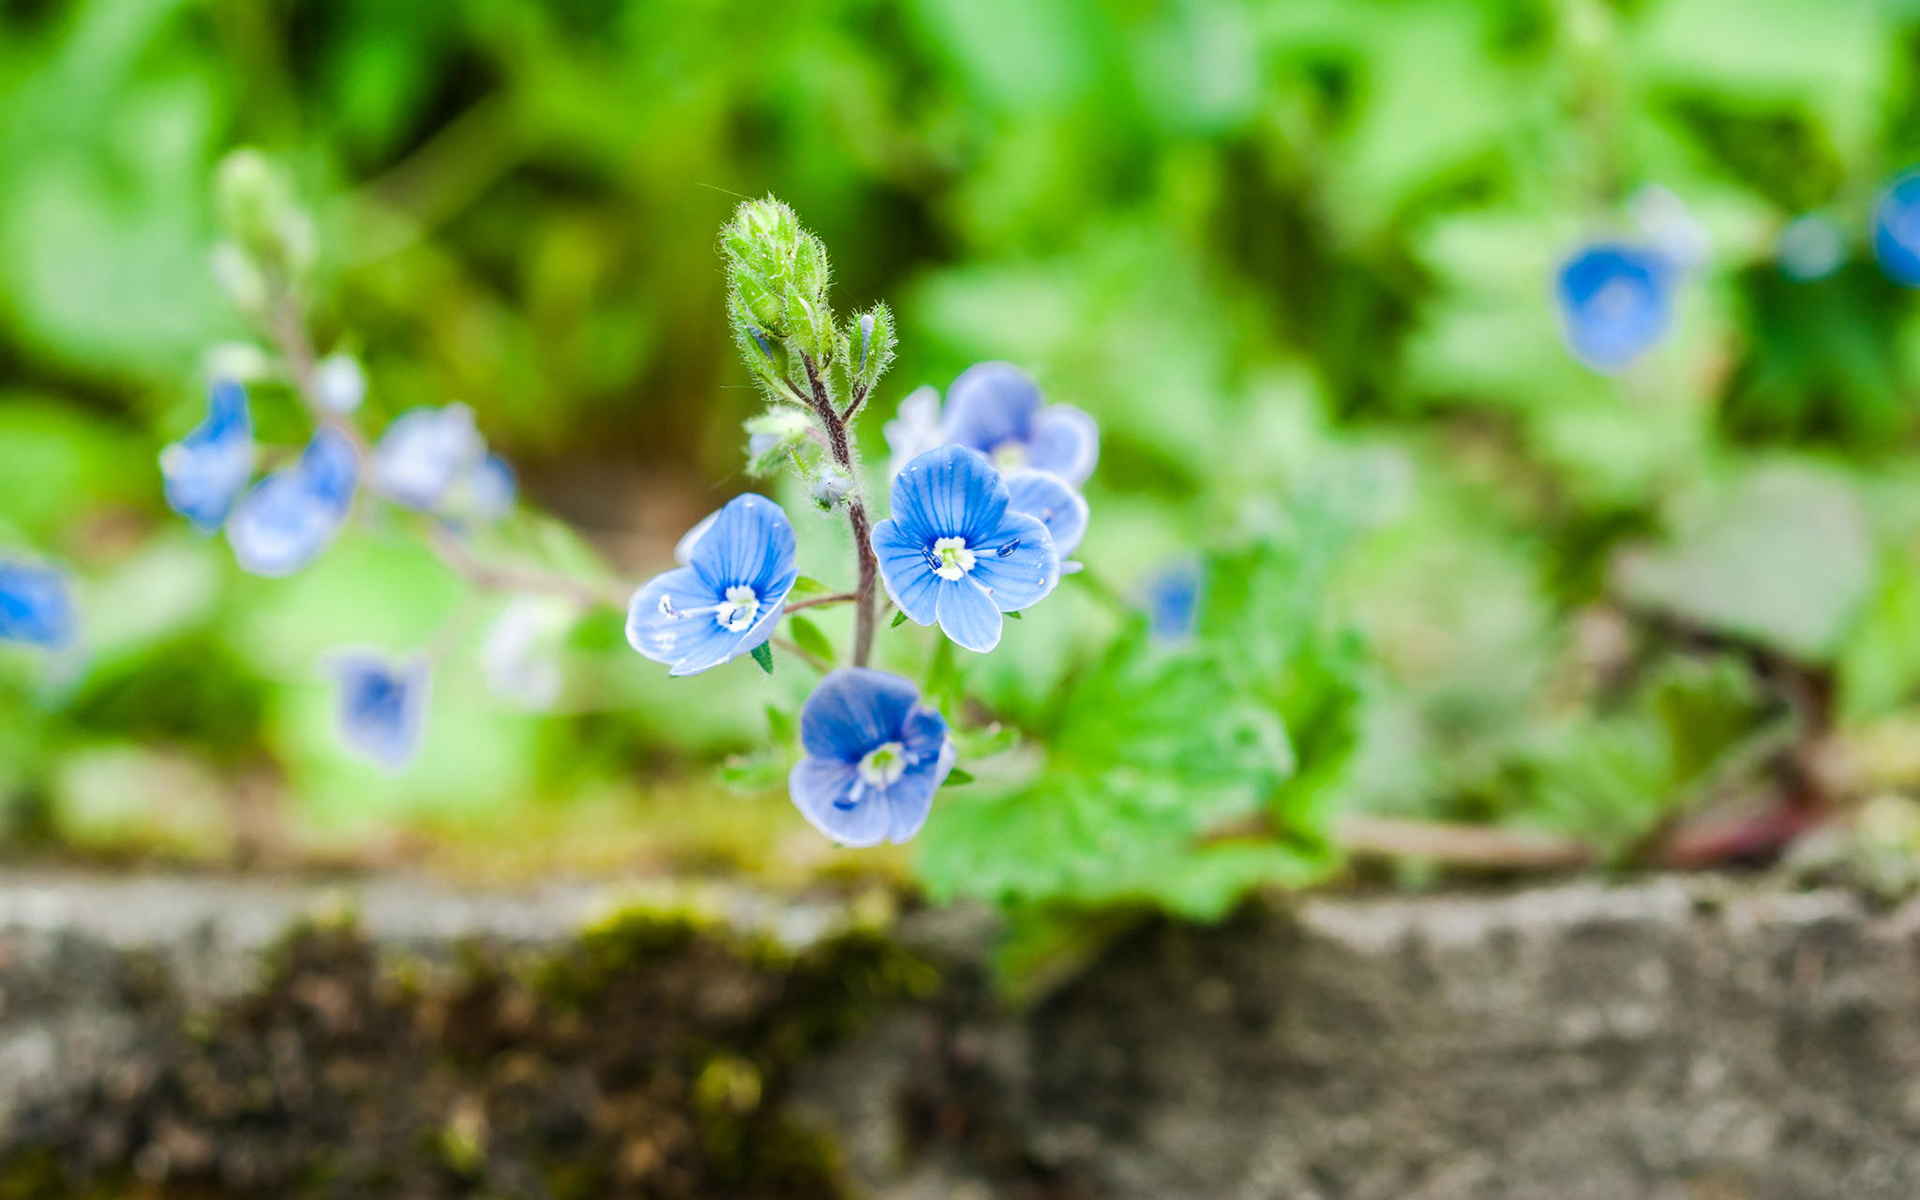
{"x":809,"y":637}
{"x":763,"y":654}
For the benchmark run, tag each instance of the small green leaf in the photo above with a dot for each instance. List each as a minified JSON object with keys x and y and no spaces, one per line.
{"x":809,"y":637}
{"x":806,"y":586}
{"x":897,"y":618}
{"x":959,"y":776}
{"x":1015,"y":616}
{"x":780,"y":726}
{"x":763,"y":654}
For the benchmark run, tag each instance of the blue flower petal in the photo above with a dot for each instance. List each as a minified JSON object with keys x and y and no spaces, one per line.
{"x":677,"y":630}
{"x":36,"y":606}
{"x":750,"y":543}
{"x":829,"y":794}
{"x":1057,"y":506}
{"x":950,"y":491}
{"x":683,"y":549}
{"x":381,"y":705}
{"x":992,"y":403}
{"x":1066,"y":441}
{"x":423,"y":452}
{"x":289,"y":517}
{"x":969,"y":616}
{"x":904,"y":571}
{"x":1896,"y":230}
{"x":205,"y":472}
{"x":1017,"y":564}
{"x":1615,"y":303}
{"x":853,"y":711}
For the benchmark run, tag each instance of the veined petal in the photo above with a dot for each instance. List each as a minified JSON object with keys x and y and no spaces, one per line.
{"x":750,"y":543}
{"x":1065,"y":441}
{"x":853,"y":711}
{"x":832,"y":797}
{"x":665,"y":621}
{"x":1048,"y":498}
{"x":904,"y":571}
{"x":950,"y":491}
{"x":968,"y":614}
{"x":991,"y":403}
{"x":1017,"y":565}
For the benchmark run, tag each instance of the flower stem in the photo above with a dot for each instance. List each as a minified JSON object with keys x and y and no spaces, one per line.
{"x":840,"y":446}
{"x":817,"y":601}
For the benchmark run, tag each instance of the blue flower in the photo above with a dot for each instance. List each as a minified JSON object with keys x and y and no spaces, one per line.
{"x":915,"y":430}
{"x":35,"y":606}
{"x":206,"y":471}
{"x":423,"y":453}
{"x":381,"y":705}
{"x":875,"y":756}
{"x":1896,"y":230}
{"x":955,"y":552}
{"x":996,"y":408}
{"x":339,"y":383}
{"x":1173,"y":601}
{"x":728,"y":598}
{"x":1048,"y":499}
{"x":289,"y":517}
{"x":1615,"y":302}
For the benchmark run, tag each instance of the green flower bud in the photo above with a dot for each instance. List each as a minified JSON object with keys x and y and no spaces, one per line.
{"x":256,"y":207}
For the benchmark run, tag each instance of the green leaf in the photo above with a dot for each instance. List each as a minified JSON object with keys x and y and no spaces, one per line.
{"x":809,"y":637}
{"x":1015,"y":616}
{"x":959,"y":777}
{"x":897,"y":619}
{"x":806,"y":586}
{"x":763,"y":654}
{"x":780,"y":725}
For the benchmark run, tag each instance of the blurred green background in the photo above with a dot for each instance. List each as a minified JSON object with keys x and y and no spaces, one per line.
{"x":1280,"y":250}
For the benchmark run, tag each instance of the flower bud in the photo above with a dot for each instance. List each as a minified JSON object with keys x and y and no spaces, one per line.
{"x":257,"y":210}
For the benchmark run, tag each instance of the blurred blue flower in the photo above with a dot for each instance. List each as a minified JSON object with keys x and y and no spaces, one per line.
{"x":1896,"y":230}
{"x":1811,"y":247}
{"x":1048,"y":499}
{"x":729,"y":597}
{"x":997,"y":409}
{"x":36,"y":606}
{"x":485,"y":492}
{"x":955,"y":552}
{"x":381,"y":705}
{"x":289,"y":517}
{"x":205,"y":472}
{"x":915,"y":430}
{"x":339,"y":383}
{"x":521,"y":652}
{"x":1615,"y":302}
{"x":424,"y":454}
{"x":874,"y":757}
{"x":1173,"y":600}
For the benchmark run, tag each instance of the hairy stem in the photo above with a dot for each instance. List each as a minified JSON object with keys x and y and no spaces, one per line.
{"x":817,"y":601}
{"x":840,"y":445}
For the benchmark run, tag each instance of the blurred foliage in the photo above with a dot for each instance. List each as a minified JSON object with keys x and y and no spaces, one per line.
{"x":1294,"y":257}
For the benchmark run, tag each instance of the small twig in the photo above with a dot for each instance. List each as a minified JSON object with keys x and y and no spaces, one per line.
{"x":817,"y":601}
{"x":789,"y":646}
{"x":454,"y":551}
{"x":1459,"y":844}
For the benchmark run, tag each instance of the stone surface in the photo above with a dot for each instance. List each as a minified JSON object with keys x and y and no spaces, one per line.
{"x":1665,"y":1040}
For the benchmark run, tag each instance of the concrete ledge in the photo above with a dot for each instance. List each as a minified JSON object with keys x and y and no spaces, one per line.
{"x":1673,"y":1039}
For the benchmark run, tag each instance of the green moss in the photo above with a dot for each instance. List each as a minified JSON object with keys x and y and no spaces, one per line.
{"x":652,"y":1055}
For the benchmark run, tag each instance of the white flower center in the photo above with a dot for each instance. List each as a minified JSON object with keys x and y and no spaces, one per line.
{"x":884,"y":764}
{"x":1009,"y":455}
{"x":952,"y":559}
{"x":739,"y":610}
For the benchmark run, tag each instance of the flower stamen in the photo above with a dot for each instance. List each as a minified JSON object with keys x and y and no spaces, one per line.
{"x":883,"y":764}
{"x":950,"y":558}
